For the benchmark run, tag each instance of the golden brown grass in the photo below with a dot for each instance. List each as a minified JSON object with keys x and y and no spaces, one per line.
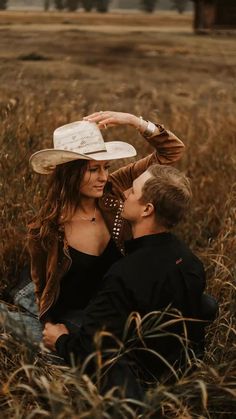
{"x":187,"y":82}
{"x":82,"y":18}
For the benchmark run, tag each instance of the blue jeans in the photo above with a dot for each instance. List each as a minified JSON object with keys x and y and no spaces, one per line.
{"x":22,"y":324}
{"x":26,"y":324}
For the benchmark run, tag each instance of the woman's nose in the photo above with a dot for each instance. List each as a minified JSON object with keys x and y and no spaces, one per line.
{"x":103,"y":175}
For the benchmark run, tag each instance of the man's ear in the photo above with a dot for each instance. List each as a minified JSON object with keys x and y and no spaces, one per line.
{"x":148,"y":210}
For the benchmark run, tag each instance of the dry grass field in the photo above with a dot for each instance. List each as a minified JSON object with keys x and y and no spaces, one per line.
{"x":55,"y":68}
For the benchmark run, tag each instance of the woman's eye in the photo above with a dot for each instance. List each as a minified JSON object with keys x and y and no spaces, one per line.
{"x":93,"y":169}
{"x":107,"y":167}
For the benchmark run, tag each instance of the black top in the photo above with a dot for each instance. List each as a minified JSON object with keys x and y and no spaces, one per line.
{"x":83,"y":279}
{"x":159,"y":270}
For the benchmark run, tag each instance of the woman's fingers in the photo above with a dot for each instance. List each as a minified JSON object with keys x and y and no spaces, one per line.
{"x":98,"y":116}
{"x":106,"y":122}
{"x":93,"y":115}
{"x":109,"y":118}
{"x":103,"y":119}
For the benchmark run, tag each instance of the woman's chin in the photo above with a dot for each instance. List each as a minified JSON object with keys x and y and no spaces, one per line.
{"x":99,"y":192}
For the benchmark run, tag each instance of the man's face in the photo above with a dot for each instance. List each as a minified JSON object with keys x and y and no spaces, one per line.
{"x":133,"y":208}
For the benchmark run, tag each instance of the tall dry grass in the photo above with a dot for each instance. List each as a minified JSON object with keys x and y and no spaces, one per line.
{"x":185,"y":82}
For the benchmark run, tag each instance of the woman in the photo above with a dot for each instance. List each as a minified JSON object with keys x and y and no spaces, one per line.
{"x":78,"y":232}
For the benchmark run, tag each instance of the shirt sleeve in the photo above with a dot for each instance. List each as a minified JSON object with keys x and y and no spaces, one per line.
{"x":108,"y":311}
{"x":168,"y":149}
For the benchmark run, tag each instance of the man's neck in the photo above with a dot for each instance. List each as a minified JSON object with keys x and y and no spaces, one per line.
{"x":140,"y":230}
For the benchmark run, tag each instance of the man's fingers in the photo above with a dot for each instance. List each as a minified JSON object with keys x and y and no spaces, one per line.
{"x":48,"y":324}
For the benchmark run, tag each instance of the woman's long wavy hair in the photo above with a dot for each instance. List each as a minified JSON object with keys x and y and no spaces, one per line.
{"x":61,"y":201}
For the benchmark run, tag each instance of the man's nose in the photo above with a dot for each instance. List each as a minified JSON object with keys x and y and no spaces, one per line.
{"x":127,"y":192}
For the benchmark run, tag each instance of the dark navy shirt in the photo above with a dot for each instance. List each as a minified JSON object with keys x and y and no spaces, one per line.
{"x":159,"y":271}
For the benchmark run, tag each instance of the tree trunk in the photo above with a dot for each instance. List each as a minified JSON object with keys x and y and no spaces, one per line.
{"x":180,"y":5}
{"x":149,"y":5}
{"x":46,"y":5}
{"x":72,"y":5}
{"x":102,"y":6}
{"x":87,"y":5}
{"x":3,"y":4}
{"x":59,"y":4}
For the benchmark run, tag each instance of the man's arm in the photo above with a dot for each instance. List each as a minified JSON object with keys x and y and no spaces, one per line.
{"x":52,"y":332}
{"x":108,"y":311}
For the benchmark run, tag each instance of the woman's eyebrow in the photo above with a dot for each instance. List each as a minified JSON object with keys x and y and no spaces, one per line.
{"x":98,"y":165}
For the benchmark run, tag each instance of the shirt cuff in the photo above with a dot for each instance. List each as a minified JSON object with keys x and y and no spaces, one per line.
{"x":60,"y":344}
{"x":151,"y":128}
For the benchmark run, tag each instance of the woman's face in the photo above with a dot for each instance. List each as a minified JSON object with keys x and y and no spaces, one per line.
{"x":94,"y":179}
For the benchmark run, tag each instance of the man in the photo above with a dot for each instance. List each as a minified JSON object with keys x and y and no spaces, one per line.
{"x":158,"y":274}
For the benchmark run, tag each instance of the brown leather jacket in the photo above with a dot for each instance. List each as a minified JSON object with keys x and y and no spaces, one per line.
{"x":49,"y":267}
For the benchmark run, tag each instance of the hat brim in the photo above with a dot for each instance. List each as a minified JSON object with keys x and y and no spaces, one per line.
{"x":44,"y":161}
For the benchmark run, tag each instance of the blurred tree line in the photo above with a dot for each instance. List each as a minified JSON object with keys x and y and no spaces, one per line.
{"x":72,"y":5}
{"x":101,"y":6}
{"x":150,"y":5}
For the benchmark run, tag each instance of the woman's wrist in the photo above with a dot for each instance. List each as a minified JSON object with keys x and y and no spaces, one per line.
{"x":146,"y":128}
{"x":139,"y":123}
{"x":134,"y":121}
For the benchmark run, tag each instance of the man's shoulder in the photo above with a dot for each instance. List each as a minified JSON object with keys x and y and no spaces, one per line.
{"x":155,"y":258}
{"x":124,"y":269}
{"x":119,"y":267}
{"x":183,"y":254}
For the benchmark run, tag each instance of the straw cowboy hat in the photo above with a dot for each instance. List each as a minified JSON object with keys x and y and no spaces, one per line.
{"x":78,"y":140}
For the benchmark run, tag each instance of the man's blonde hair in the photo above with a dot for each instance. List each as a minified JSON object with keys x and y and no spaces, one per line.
{"x":170,"y":193}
